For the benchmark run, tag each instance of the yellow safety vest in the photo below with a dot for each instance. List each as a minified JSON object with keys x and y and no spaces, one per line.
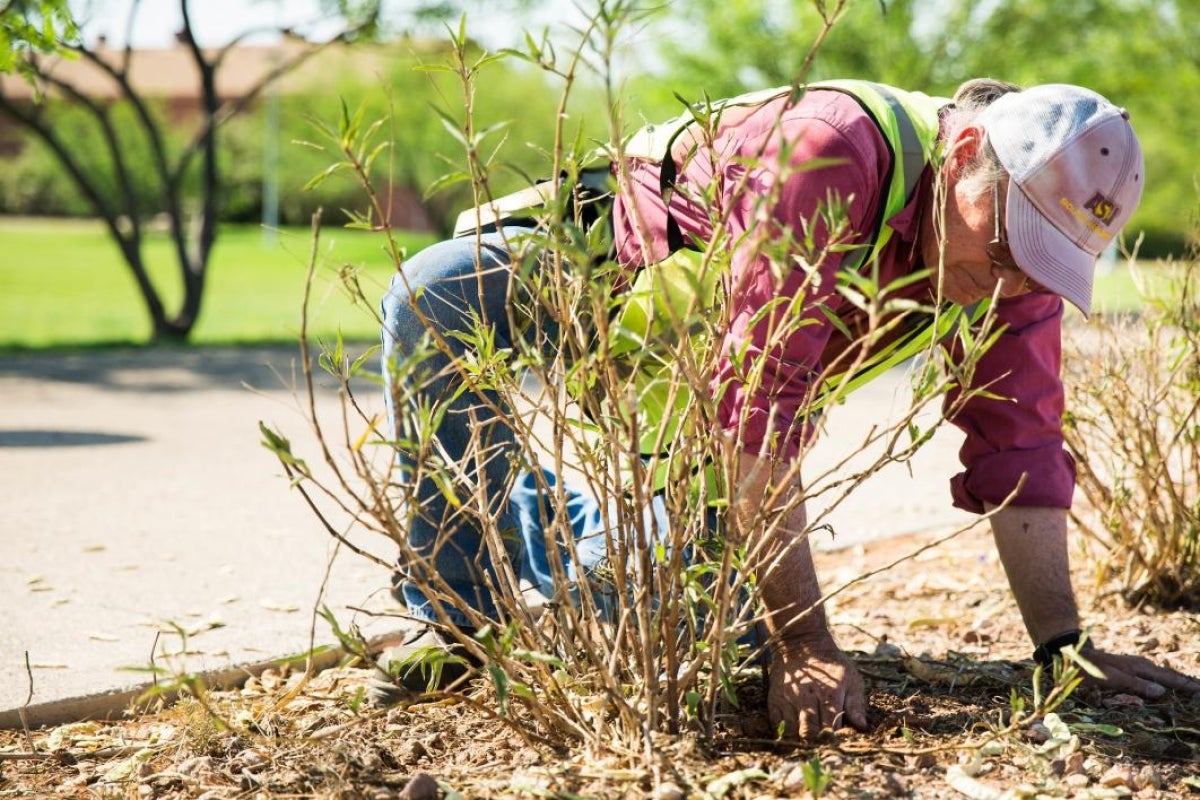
{"x":680,"y":288}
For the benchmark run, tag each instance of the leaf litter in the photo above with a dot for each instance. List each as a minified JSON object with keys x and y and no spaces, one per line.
{"x":939,"y":721}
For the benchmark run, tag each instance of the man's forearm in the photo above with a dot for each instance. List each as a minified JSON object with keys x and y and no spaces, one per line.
{"x":1032,"y":543}
{"x":779,"y":554}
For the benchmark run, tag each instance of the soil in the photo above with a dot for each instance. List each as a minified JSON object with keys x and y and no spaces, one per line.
{"x":937,"y":638}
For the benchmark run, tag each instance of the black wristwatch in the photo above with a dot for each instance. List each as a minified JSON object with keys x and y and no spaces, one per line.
{"x":1046,"y":651}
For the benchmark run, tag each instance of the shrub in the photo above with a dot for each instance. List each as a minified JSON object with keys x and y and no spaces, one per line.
{"x":1134,"y":429}
{"x":652,"y":639}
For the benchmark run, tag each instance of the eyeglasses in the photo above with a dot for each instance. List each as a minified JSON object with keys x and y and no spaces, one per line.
{"x":998,"y":250}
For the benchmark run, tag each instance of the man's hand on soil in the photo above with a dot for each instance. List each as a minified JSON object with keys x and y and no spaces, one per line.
{"x":812,"y":687}
{"x":1136,"y":675}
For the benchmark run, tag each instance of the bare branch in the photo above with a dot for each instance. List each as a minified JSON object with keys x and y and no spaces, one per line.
{"x":127,"y":55}
{"x":111,"y":138}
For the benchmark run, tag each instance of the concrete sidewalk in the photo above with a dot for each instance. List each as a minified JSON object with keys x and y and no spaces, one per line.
{"x":136,"y":497}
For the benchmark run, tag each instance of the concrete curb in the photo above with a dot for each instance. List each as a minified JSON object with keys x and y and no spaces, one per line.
{"x":112,"y":705}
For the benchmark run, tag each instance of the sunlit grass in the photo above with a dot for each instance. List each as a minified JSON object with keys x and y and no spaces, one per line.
{"x":1124,"y":288}
{"x":63,"y":283}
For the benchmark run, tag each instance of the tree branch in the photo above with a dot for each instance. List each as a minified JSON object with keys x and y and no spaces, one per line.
{"x":127,"y":55}
{"x":116,"y":153}
{"x":89,"y":189}
{"x":193,"y":274}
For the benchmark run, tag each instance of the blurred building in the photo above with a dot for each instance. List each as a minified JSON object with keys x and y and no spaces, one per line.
{"x":170,"y":77}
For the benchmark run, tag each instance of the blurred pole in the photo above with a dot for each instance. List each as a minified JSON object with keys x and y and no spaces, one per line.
{"x":270,"y":185}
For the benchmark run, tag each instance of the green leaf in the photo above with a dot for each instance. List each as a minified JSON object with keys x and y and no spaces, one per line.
{"x":1071,"y":653}
{"x":500,"y":679}
{"x":1098,"y":727}
{"x":531,"y":657}
{"x":722,"y":786}
{"x":323,"y":176}
{"x":352,"y":641}
{"x":444,"y":181}
{"x":815,"y":777}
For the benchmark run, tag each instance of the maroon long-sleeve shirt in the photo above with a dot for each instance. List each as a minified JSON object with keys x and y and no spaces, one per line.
{"x":770,"y":172}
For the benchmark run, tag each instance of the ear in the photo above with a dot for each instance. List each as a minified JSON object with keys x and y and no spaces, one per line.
{"x":964,"y":149}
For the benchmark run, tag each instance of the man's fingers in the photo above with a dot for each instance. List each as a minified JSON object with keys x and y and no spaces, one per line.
{"x":856,"y":710}
{"x":809,"y":723}
{"x":1139,"y":676}
{"x":1169,"y":678}
{"x":856,"y":700}
{"x":810,"y":690}
{"x":1134,"y":685}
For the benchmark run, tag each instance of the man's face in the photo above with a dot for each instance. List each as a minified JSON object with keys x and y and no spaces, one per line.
{"x":976,"y":259}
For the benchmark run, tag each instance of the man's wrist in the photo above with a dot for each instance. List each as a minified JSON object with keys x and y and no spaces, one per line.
{"x":1045,"y":652}
{"x":806,"y":635}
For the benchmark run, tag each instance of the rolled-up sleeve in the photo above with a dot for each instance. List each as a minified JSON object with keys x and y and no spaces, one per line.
{"x":1018,"y":430}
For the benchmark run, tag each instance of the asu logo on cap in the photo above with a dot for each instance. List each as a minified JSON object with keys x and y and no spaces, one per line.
{"x":1102,"y":208}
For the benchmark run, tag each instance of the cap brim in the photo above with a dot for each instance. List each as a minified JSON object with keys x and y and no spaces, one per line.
{"x":1046,"y":255}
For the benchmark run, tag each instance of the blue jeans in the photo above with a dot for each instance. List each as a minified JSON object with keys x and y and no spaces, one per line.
{"x":449,"y":287}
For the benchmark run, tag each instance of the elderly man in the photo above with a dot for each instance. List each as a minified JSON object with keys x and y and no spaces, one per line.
{"x":999,"y":193}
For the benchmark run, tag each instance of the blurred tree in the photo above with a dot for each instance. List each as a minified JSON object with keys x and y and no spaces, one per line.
{"x":36,"y":26}
{"x":185,"y":167}
{"x":513,"y":98}
{"x":1144,"y":54}
{"x":186,"y":175}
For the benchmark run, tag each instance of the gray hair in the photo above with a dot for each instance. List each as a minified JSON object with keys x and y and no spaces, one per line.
{"x":971,"y":98}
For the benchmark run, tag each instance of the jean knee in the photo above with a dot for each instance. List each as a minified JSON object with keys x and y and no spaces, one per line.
{"x":407,"y":312}
{"x":447,"y":288}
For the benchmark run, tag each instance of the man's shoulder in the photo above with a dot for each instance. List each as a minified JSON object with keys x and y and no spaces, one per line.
{"x":830,"y":119}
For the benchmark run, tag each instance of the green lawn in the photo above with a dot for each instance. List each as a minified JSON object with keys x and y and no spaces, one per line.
{"x":62,"y":283}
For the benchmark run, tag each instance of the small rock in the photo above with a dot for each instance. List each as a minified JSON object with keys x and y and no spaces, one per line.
{"x":1075,"y":765}
{"x":887,"y":650}
{"x":421,"y":786}
{"x":1117,"y":775}
{"x":1147,"y":778}
{"x":370,"y":761}
{"x":197,"y":767}
{"x":1077,"y":780}
{"x":249,"y":761}
{"x":1038,"y":733}
{"x":794,"y":780}
{"x":667,"y":791}
{"x":921,"y":761}
{"x":1058,"y":767}
{"x":1118,"y":700}
{"x":411,"y":751}
{"x":994,"y":749}
{"x":895,"y":785}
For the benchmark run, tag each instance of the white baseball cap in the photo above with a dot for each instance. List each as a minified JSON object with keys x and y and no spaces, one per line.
{"x":1077,"y":176}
